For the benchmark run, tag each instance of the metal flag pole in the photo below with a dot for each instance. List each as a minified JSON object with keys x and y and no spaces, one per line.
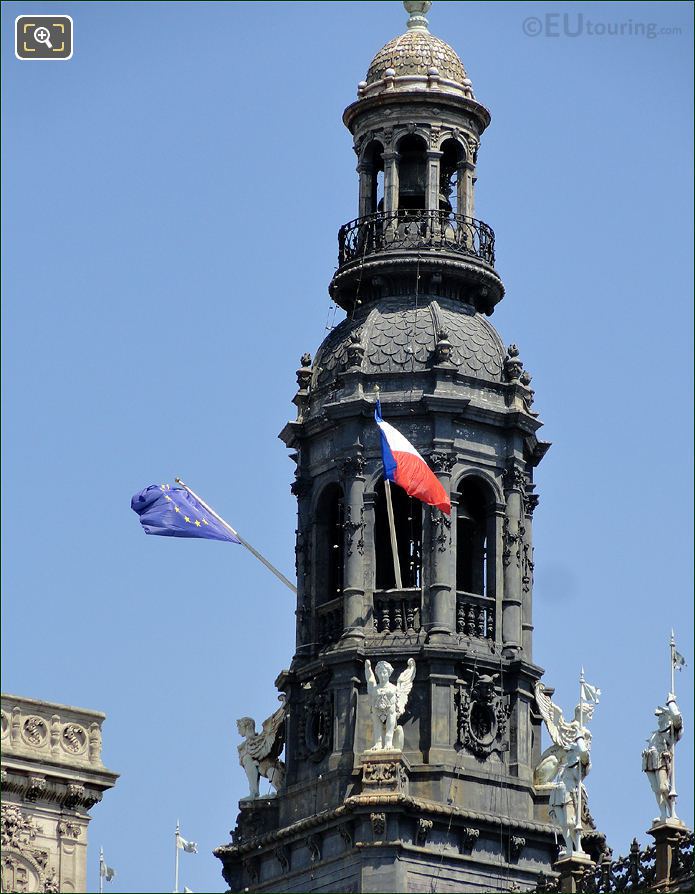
{"x":176,"y":872}
{"x":672,"y":795}
{"x":578,"y":822}
{"x":392,"y":523}
{"x":280,"y":576}
{"x":101,"y":870}
{"x":392,"y":531}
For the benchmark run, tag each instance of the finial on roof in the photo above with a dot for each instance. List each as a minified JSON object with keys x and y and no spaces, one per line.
{"x":416,"y":10}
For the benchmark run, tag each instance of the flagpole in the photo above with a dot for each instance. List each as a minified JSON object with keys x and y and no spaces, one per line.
{"x":280,"y":576}
{"x":176,"y":873}
{"x":672,"y":795}
{"x":101,"y":870}
{"x":578,"y":823}
{"x":392,"y":531}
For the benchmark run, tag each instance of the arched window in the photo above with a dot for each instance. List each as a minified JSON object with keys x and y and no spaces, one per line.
{"x":329,"y":544}
{"x":407,"y":514}
{"x":449,"y":169}
{"x":374,"y":184}
{"x":412,"y":173}
{"x":471,"y":538}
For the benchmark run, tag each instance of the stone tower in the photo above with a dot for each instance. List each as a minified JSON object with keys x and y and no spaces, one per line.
{"x":457,"y":809}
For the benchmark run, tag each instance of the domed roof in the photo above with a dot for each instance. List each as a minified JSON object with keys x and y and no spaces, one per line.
{"x":417,"y":53}
{"x":398,"y":339}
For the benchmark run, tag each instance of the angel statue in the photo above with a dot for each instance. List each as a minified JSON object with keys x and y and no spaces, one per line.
{"x":259,"y":753}
{"x":657,"y":757}
{"x":387,"y":702}
{"x":561,"y":732}
{"x":565,"y":764}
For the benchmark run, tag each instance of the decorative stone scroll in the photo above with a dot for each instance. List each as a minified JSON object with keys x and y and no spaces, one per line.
{"x":482,"y":715}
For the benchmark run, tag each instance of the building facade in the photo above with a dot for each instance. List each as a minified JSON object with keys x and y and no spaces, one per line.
{"x":52,"y":775}
{"x":457,"y":809}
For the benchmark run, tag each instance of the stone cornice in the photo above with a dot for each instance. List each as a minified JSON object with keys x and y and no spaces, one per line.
{"x":356,"y":804}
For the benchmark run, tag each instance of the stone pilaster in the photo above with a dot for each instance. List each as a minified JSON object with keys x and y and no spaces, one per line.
{"x":353,"y":581}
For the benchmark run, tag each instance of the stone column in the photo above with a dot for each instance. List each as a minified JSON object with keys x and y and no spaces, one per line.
{"x":527,"y":579}
{"x":512,"y":553}
{"x":353,"y":577}
{"x":442,"y":620}
{"x":432,"y":193}
{"x":366,"y":175}
{"x":466,"y":179}
{"x":571,"y":870}
{"x":301,"y":488}
{"x":390,"y":182}
{"x":496,"y":587}
{"x":665,"y":834}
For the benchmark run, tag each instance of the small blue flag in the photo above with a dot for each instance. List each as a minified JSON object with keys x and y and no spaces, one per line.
{"x":173,"y":512}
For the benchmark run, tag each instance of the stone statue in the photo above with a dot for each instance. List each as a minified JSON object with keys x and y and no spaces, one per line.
{"x":564,"y":765}
{"x":563,"y":804}
{"x":387,"y":702}
{"x":561,"y":733}
{"x":259,"y":753}
{"x":657,"y":757}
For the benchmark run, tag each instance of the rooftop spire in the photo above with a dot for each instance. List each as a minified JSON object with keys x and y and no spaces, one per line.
{"x":416,"y":10}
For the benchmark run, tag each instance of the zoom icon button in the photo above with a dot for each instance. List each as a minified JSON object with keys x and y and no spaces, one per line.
{"x":43,"y":37}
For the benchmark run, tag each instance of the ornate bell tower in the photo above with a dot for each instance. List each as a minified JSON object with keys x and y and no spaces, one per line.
{"x":456,"y":809}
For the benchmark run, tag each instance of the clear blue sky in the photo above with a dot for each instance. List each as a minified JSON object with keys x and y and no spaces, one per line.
{"x":172,"y":196}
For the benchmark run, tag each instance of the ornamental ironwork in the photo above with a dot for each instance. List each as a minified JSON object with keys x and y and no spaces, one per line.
{"x":406,"y":229}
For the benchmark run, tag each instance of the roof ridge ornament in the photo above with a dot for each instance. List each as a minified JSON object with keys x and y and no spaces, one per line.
{"x":417,"y":9}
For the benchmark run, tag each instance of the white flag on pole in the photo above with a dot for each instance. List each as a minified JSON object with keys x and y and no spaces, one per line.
{"x":590,"y":694}
{"x":678,"y":660}
{"x":106,"y":872}
{"x":190,"y":847}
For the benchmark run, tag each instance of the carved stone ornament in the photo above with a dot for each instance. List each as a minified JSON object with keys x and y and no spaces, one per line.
{"x":355,"y":350}
{"x":316,"y":723}
{"x":482,"y":715}
{"x":351,"y":529}
{"x":345,"y":830}
{"x":469,"y":838}
{"x":304,"y":372}
{"x":251,"y":868}
{"x":513,"y":365}
{"x":441,"y":461}
{"x":301,"y":486}
{"x":313,"y":842}
{"x":282,"y":855}
{"x":527,"y":567}
{"x":35,"y":731}
{"x":68,"y":830}
{"x":378,"y":821}
{"x":514,"y":479}
{"x":16,"y":829}
{"x":424,"y":827}
{"x":441,"y":530}
{"x":36,"y":787}
{"x":353,"y":467}
{"x":443,"y":347}
{"x":530,"y":504}
{"x":516,"y":846}
{"x":512,"y":542}
{"x":74,"y":738}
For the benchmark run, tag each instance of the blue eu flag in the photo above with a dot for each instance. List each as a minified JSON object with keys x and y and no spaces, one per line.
{"x":174,"y":512}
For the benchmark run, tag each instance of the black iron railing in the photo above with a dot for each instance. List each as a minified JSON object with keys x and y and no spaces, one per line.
{"x":415,"y":230}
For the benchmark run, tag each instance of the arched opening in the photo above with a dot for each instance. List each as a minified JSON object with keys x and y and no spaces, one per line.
{"x":471,"y":538}
{"x":329,"y":544}
{"x":412,"y":173}
{"x":449,"y":173}
{"x":374,"y":173}
{"x":407,"y":514}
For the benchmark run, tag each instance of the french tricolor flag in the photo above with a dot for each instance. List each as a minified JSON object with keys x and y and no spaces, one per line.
{"x":404,"y":466}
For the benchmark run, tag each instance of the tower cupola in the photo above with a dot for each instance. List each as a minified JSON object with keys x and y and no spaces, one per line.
{"x":416,"y":129}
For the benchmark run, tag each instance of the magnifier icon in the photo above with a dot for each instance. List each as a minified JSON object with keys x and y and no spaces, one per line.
{"x":43,"y":35}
